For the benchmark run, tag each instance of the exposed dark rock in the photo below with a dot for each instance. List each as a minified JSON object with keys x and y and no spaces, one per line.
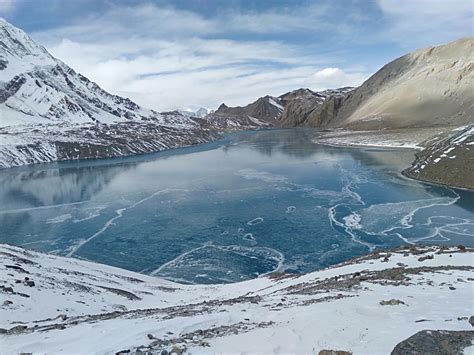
{"x":304,"y":107}
{"x":435,"y":342}
{"x":264,"y":112}
{"x":392,"y":302}
{"x":334,"y":352}
{"x":17,"y":268}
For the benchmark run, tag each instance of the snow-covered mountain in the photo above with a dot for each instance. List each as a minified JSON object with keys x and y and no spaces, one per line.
{"x":49,"y":112}
{"x":38,"y":88}
{"x":199,"y":113}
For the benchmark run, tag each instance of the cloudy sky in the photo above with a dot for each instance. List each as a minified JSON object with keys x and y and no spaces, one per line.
{"x":191,"y":53}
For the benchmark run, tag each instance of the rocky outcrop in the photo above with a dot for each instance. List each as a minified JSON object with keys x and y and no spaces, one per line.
{"x":447,"y":160}
{"x":435,"y":342}
{"x":304,"y":107}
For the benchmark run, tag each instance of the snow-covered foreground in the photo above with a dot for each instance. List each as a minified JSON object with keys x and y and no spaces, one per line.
{"x":367,"y":306}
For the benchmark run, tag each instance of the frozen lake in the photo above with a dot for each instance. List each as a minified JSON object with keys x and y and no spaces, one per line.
{"x":227,"y":211}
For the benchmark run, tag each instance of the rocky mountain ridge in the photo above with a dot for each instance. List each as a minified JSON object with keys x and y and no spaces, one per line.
{"x":305,"y":107}
{"x":270,"y":111}
{"x":264,"y":112}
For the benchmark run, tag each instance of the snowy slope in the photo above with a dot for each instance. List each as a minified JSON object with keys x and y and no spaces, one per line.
{"x":448,"y":159}
{"x":48,"y":112}
{"x":367,"y":306}
{"x":199,"y":113}
{"x":36,"y":87}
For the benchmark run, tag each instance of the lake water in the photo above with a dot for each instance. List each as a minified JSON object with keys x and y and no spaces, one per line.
{"x":251,"y":204}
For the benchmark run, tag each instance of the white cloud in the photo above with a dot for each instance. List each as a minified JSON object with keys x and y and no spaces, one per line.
{"x":165,"y":58}
{"x":428,"y":22}
{"x":6,"y":6}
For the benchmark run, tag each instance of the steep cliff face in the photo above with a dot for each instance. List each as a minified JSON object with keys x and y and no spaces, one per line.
{"x":304,"y":107}
{"x":427,"y":88}
{"x":263,"y":112}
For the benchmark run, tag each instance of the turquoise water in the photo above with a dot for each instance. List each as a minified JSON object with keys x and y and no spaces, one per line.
{"x":251,"y":204}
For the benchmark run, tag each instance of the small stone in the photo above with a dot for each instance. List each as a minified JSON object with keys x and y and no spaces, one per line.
{"x":426,"y":257}
{"x":334,"y":352}
{"x":63,"y":317}
{"x":151,"y":337}
{"x":392,"y":302}
{"x":471,"y":320}
{"x":17,"y":329}
{"x":7,"y":303}
{"x":176,"y":350}
{"x":452,"y":287}
{"x":29,"y":283}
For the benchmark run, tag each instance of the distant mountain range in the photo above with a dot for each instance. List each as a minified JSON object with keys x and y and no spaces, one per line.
{"x":199,"y":113}
{"x":270,"y":111}
{"x":49,"y":112}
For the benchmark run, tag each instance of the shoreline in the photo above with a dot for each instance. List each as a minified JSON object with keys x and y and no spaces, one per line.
{"x":336,"y":138}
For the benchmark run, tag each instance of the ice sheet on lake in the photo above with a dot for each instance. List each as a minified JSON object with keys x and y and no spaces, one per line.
{"x":382,"y":218}
{"x":216,"y":260}
{"x":353,"y":221}
{"x":252,"y":174}
{"x":255,"y":221}
{"x":59,"y":219}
